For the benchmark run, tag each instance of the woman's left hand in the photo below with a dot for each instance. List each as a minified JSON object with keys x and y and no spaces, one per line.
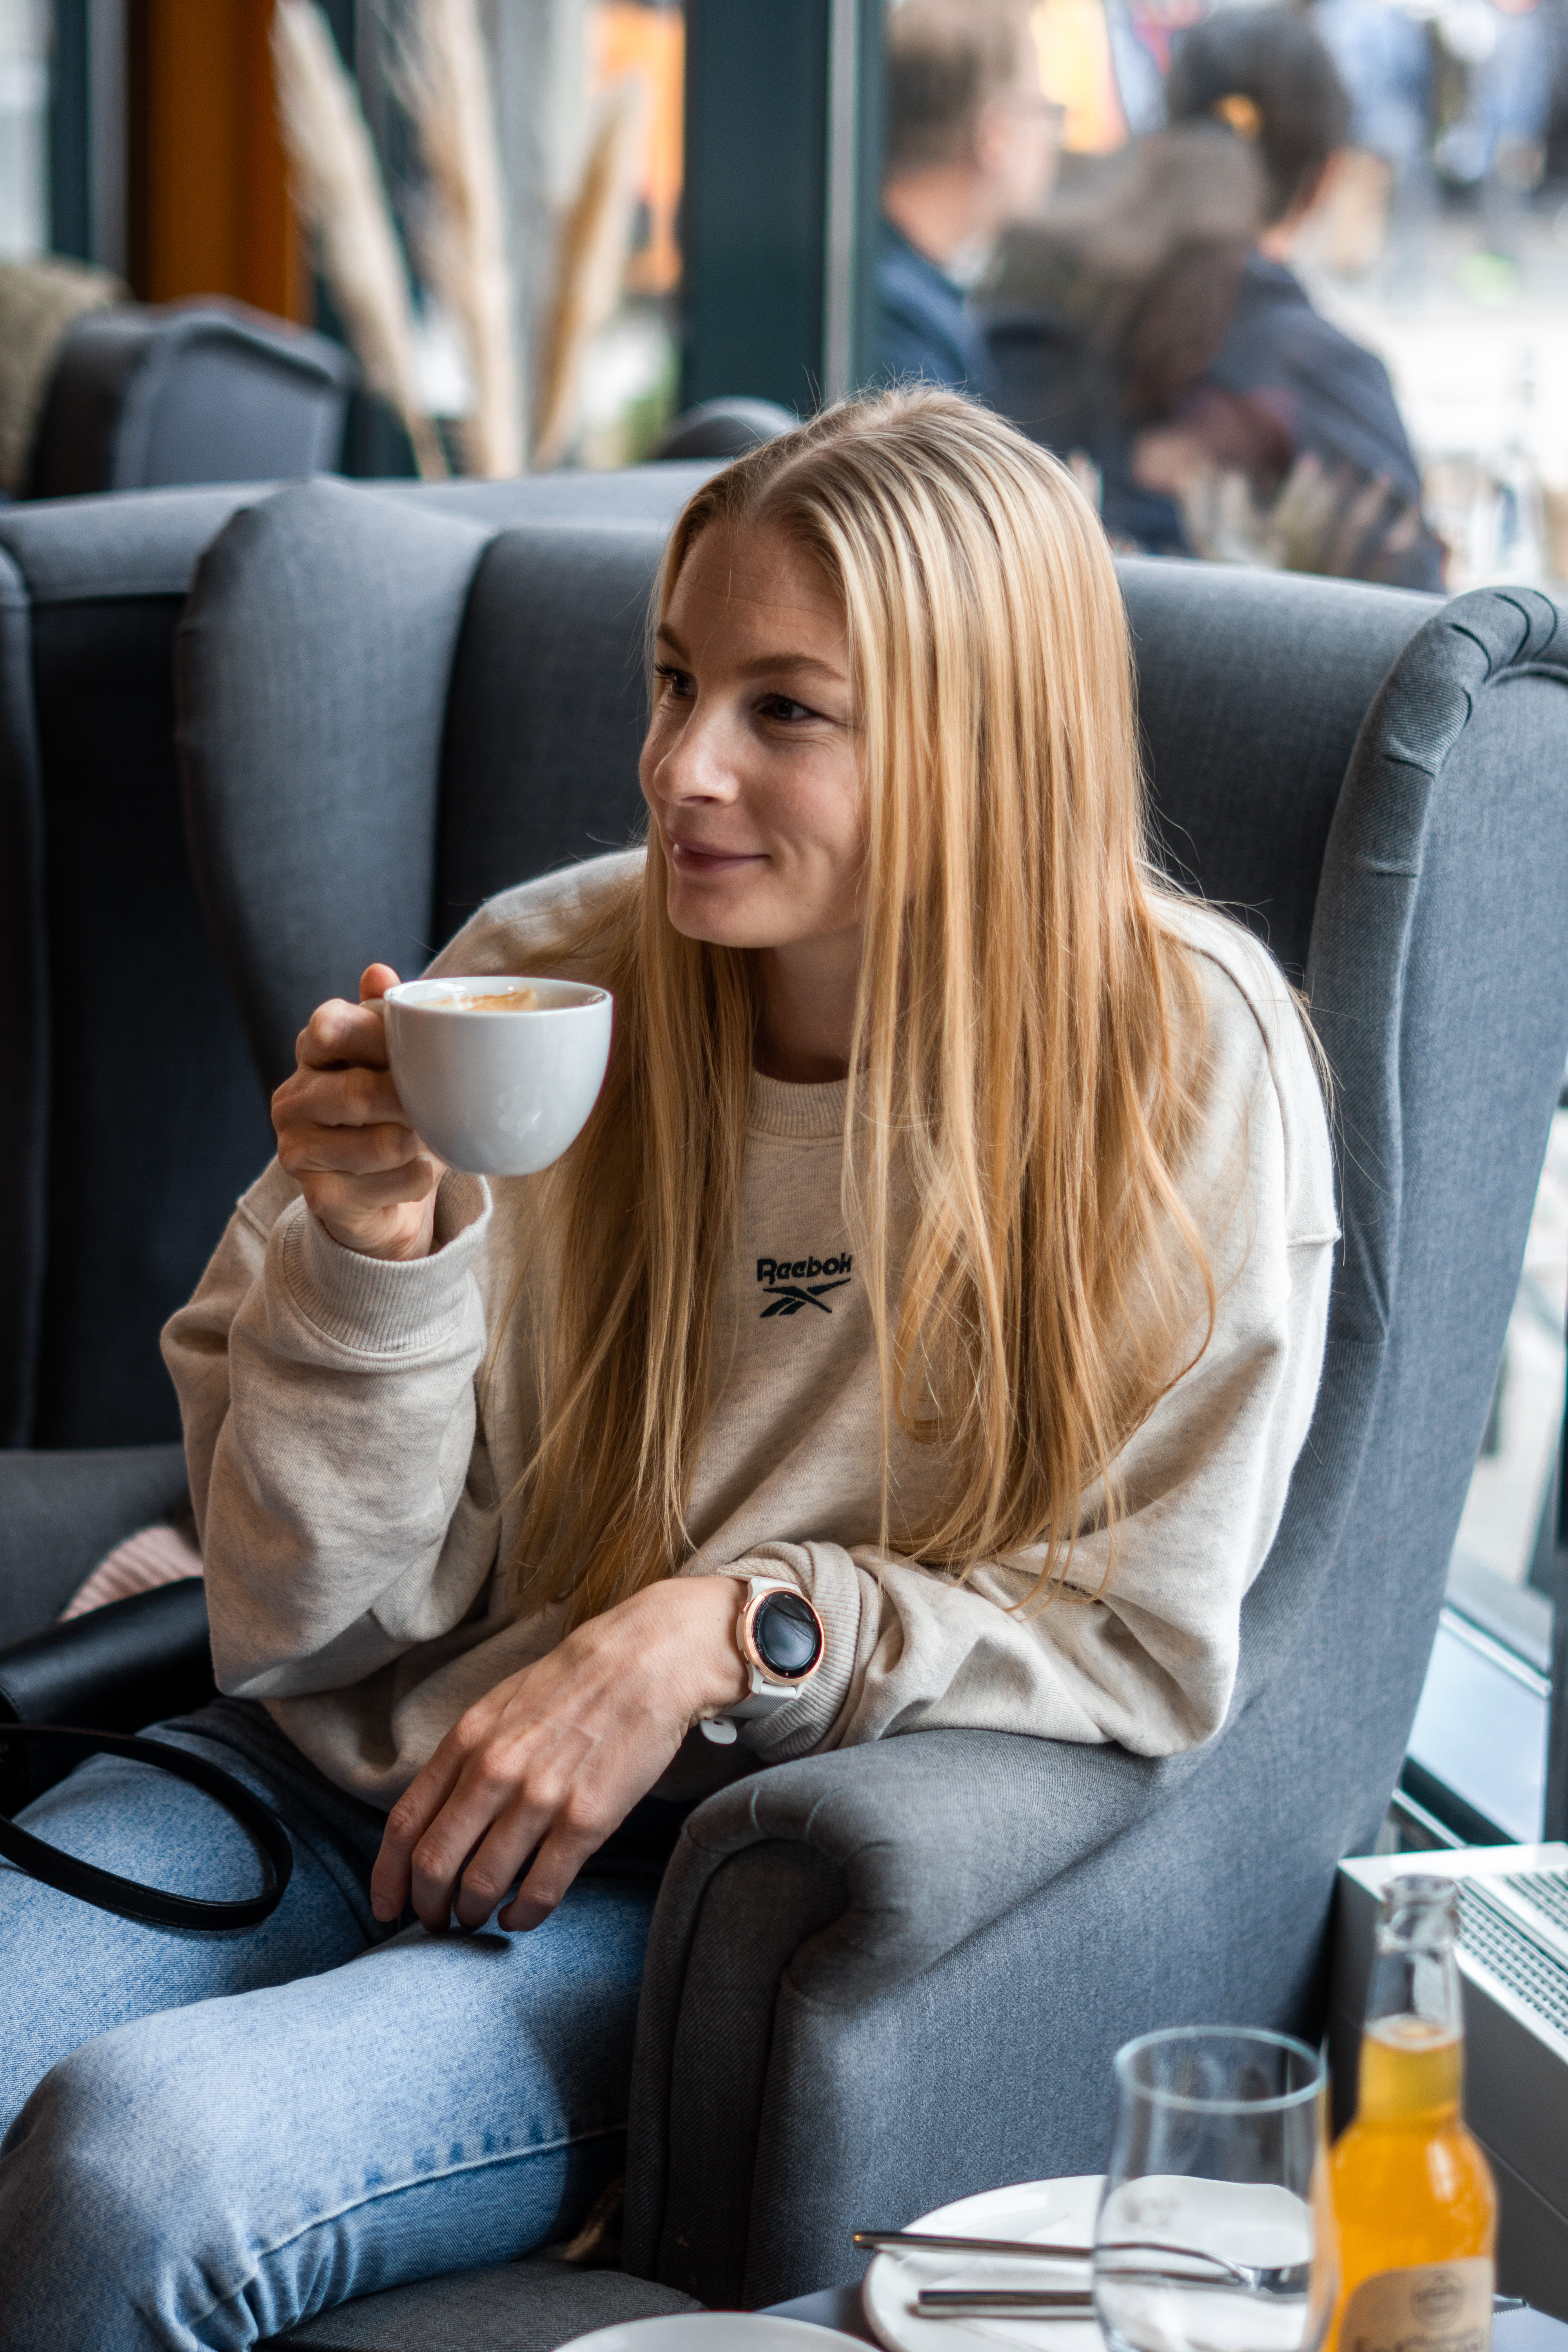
{"x":556,"y":1756}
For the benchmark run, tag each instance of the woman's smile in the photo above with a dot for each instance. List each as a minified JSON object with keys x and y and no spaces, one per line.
{"x":702,"y":860}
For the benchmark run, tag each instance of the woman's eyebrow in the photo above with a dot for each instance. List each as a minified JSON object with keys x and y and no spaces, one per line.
{"x":762,"y":664}
{"x":769,"y":665}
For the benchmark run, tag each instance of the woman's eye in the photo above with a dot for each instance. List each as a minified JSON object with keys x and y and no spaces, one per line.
{"x":676,"y":683}
{"x":780,"y":705}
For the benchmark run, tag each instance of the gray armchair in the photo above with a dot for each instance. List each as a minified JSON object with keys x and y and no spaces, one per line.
{"x":884,"y":1978}
{"x":187,"y":391}
{"x":136,"y":1113}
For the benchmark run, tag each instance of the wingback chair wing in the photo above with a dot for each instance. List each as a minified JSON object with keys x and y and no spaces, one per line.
{"x":884,"y":1977}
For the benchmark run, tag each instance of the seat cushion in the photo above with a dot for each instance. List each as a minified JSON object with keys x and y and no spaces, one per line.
{"x":509,"y":2307}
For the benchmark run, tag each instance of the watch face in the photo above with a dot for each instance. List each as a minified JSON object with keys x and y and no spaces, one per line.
{"x":787,"y":1636}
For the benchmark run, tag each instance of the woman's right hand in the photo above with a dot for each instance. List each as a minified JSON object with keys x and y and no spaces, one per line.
{"x":344,"y":1137}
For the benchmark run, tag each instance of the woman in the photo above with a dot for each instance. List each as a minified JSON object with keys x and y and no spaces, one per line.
{"x":995,"y":1358}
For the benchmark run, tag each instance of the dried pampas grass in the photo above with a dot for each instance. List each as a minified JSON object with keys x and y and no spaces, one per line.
{"x":591,"y":261}
{"x":445,"y":77}
{"x":337,"y":189}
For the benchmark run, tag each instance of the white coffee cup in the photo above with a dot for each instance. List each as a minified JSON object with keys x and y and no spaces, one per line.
{"x":494,"y":1091}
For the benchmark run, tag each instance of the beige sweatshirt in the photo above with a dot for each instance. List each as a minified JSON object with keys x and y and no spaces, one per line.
{"x":351,"y":1499}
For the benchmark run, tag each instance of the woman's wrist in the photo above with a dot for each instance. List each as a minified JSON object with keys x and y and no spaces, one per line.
{"x":697,"y":1620}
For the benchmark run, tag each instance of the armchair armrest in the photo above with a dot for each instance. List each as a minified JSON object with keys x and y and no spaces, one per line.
{"x":807,"y":1911}
{"x":61,"y":1512}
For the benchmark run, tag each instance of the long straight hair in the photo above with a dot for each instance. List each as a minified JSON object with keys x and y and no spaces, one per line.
{"x":1028,"y":1033}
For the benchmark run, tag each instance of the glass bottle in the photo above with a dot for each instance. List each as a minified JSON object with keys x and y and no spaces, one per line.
{"x":1412,"y":2191}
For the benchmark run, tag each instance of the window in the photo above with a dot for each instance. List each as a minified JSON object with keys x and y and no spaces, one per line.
{"x":24,"y":120}
{"x":636,"y":55}
{"x":1480,"y":1749}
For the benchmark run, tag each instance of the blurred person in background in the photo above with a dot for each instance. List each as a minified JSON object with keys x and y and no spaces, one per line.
{"x":1494,"y":140}
{"x":1305,"y":414}
{"x":1175,"y":347}
{"x":1383,"y":179}
{"x":970,"y":146}
{"x":1102,"y":317}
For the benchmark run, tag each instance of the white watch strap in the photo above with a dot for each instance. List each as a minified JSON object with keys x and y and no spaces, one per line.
{"x":765,"y":1697}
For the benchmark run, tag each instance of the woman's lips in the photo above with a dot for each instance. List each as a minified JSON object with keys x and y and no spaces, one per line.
{"x":687,"y":858}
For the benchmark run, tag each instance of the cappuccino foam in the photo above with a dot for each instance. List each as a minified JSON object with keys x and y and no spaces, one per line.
{"x":510,"y":1000}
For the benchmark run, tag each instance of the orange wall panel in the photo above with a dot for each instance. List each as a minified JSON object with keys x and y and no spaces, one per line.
{"x":627,"y":39}
{"x":213,"y":207}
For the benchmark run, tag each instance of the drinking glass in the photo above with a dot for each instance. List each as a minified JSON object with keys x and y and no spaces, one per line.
{"x":1215,"y":2232}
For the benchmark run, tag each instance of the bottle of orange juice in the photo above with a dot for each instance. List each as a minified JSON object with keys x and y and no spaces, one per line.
{"x":1412,"y":2191}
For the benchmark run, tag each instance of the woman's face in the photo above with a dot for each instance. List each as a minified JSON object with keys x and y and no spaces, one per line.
{"x":750,"y":768}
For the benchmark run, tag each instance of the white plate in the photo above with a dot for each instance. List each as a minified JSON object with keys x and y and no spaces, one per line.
{"x":1061,"y":2211}
{"x":712,"y":2331}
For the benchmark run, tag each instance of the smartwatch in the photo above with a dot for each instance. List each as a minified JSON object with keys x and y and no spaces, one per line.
{"x":781,"y":1641}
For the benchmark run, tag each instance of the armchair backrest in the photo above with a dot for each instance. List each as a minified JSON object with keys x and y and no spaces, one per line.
{"x":134,"y":1114}
{"x":137,"y":1113}
{"x":389,"y":710}
{"x":1252,"y":687}
{"x":1371,"y":778}
{"x":187,"y":391}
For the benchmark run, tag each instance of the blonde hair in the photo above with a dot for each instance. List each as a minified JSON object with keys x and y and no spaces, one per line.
{"x":1026,"y":1037}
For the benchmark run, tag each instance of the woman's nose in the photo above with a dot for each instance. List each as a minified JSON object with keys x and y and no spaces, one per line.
{"x":699,"y":764}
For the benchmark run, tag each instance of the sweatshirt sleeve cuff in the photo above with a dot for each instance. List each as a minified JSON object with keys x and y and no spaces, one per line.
{"x":828,"y":1577}
{"x":386,"y":1307}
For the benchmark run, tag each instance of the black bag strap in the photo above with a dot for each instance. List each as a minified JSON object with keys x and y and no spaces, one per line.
{"x":152,"y":1904}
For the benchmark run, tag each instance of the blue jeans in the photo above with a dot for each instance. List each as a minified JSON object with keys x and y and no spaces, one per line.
{"x":209,"y":2138}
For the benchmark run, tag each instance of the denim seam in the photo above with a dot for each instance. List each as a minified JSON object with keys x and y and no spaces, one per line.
{"x":444,"y":2172}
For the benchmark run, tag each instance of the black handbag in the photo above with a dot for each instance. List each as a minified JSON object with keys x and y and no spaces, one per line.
{"x":130,"y":1663}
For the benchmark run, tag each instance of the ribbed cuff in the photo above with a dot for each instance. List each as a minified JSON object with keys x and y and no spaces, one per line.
{"x":386,"y":1307}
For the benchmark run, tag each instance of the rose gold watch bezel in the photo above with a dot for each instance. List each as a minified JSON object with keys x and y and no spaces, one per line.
{"x":752,"y":1656}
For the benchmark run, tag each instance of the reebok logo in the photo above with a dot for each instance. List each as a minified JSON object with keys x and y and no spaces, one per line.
{"x":794,"y":1283}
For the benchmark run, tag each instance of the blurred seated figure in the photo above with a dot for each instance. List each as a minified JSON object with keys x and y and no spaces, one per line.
{"x":970,"y":146}
{"x":1159,"y":329}
{"x":1287,"y":385}
{"x":1100,"y":320}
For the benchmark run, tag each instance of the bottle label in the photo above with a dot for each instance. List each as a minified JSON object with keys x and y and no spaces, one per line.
{"x":1436,"y":2307}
